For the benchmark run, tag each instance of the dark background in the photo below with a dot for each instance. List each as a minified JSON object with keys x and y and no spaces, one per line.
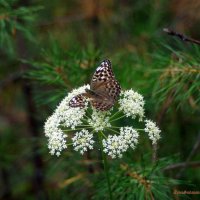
{"x":50,"y":47}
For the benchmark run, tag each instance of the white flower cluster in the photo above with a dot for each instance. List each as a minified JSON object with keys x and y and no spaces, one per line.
{"x":116,"y":145}
{"x":82,"y":141}
{"x":57,"y":142}
{"x":132,"y":104}
{"x":130,"y":136}
{"x":99,"y":120}
{"x":64,"y":116}
{"x":71,"y":117}
{"x":152,"y":130}
{"x":56,"y":137}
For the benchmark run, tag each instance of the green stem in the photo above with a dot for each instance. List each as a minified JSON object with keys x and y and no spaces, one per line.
{"x":105,"y":163}
{"x":117,"y":118}
{"x":69,"y":144}
{"x":87,"y":116}
{"x":104,"y":135}
{"x":76,"y":129}
{"x":86,"y":125}
{"x":112,"y":130}
{"x":115,"y":114}
{"x":84,"y":120}
{"x":139,"y":129}
{"x":117,"y":127}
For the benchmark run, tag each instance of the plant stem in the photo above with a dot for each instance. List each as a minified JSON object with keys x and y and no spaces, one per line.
{"x":115,"y":114}
{"x":139,"y":129}
{"x":105,"y":163}
{"x":117,"y":118}
{"x":103,"y":135}
{"x":112,"y":130}
{"x":76,"y":129}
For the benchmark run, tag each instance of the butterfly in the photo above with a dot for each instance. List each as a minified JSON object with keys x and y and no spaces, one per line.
{"x":104,"y":89}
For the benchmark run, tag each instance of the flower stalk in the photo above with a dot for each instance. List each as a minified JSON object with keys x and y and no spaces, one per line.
{"x":105,"y":164}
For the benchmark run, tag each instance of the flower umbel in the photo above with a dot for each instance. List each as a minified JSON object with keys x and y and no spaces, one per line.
{"x":152,"y":130}
{"x":99,"y":120}
{"x":82,"y":141}
{"x":71,"y":117}
{"x":63,"y":116}
{"x":56,"y":137}
{"x":57,"y":142}
{"x":132,"y":104}
{"x":115,"y":145}
{"x":129,"y":135}
{"x":86,"y":122}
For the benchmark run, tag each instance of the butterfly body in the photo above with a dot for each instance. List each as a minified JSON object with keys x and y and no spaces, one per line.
{"x":90,"y":93}
{"x":104,"y":89}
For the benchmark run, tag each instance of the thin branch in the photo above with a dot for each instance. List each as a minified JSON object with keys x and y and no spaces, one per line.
{"x":160,"y":118}
{"x":193,"y":151}
{"x":155,"y":154}
{"x":194,"y":164}
{"x":165,"y":107}
{"x":181,"y":36}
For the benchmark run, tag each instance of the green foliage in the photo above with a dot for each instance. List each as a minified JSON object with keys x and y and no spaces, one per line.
{"x":61,"y":71}
{"x":14,"y":18}
{"x":139,"y":181}
{"x":67,"y":44}
{"x":178,"y":76}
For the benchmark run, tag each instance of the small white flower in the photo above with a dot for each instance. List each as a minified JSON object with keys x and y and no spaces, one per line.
{"x":64,"y":116}
{"x":114,"y":146}
{"x":152,"y":130}
{"x":56,"y":138}
{"x":71,"y":117}
{"x":57,"y":142}
{"x":82,"y":141}
{"x":99,"y":120}
{"x":132,"y":104}
{"x":51,"y":125}
{"x":129,"y":135}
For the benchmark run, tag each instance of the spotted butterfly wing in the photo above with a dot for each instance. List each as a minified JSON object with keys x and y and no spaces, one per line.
{"x":102,"y":74}
{"x":77,"y":101}
{"x":104,"y":89}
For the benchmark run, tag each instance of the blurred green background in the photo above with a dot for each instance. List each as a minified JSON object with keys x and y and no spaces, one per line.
{"x":47,"y":48}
